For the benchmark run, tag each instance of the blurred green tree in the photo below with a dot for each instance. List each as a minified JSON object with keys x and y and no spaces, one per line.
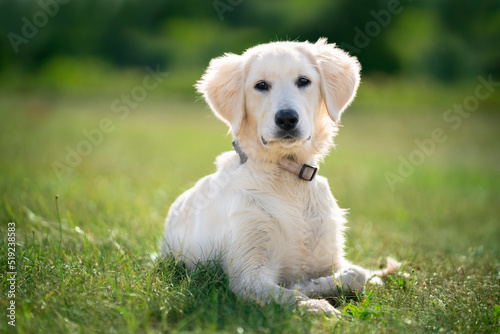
{"x":442,"y":39}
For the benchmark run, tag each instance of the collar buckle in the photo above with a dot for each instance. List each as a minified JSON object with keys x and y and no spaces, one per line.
{"x":307,"y":172}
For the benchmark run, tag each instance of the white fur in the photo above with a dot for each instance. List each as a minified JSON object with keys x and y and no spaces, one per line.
{"x":278,"y":237}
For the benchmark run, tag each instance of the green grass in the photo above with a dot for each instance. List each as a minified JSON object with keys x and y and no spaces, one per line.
{"x":88,"y":267}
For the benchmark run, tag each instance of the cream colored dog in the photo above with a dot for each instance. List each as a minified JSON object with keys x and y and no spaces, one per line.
{"x":272,"y":222}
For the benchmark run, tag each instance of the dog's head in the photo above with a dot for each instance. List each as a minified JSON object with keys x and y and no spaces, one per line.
{"x":282,"y":97}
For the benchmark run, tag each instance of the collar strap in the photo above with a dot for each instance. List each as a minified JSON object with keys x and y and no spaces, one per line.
{"x":304,"y":172}
{"x":243,"y":156}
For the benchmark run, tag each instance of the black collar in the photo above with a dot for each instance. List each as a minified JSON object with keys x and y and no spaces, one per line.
{"x":237,"y":148}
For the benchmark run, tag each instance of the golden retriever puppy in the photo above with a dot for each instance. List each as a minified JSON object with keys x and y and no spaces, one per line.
{"x":265,"y":213}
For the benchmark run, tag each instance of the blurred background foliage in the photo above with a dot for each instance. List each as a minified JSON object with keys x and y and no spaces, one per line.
{"x":104,"y":46}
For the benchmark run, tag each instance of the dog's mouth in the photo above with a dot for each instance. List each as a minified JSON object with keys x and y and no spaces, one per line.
{"x":286,"y":139}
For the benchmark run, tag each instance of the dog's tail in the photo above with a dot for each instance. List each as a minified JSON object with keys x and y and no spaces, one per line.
{"x":391,"y":267}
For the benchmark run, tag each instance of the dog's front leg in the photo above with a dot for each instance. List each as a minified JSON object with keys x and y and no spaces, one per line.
{"x":257,"y":286}
{"x":348,"y":280}
{"x":253,"y":273}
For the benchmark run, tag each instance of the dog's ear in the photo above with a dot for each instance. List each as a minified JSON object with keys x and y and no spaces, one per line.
{"x":222,"y":88}
{"x":339,"y":77}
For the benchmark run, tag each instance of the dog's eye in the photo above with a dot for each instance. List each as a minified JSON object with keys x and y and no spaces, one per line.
{"x":302,"y":82}
{"x":262,"y":86}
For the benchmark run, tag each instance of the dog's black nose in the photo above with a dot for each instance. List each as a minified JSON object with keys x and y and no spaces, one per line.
{"x":286,"y":119}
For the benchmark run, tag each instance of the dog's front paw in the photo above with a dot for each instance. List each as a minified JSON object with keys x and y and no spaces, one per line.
{"x":353,"y":279}
{"x":319,"y":306}
{"x":375,"y":280}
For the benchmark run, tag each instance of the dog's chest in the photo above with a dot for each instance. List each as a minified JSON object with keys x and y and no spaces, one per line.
{"x":309,"y":249}
{"x":301,"y":229}
{"x":308,"y":232}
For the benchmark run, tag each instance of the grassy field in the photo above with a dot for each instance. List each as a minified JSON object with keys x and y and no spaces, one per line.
{"x":85,"y":263}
